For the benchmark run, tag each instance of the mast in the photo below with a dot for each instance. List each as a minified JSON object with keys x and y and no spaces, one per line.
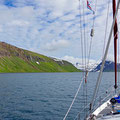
{"x":115,"y":42}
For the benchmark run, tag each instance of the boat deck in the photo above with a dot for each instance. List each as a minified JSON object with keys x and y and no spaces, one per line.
{"x":110,"y":112}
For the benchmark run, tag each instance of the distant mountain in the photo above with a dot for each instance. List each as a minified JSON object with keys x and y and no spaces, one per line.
{"x":108,"y":67}
{"x":13,"y":59}
{"x":90,"y":67}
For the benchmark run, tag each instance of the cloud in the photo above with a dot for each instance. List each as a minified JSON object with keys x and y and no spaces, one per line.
{"x":75,"y":60}
{"x":53,"y":25}
{"x":56,"y":45}
{"x":1,"y":29}
{"x":110,"y":57}
{"x":18,"y":23}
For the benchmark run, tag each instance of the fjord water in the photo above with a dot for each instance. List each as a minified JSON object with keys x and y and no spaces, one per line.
{"x":44,"y":96}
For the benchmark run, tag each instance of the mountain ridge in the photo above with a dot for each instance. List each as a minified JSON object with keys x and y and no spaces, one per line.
{"x":108,"y":67}
{"x":14,"y":60}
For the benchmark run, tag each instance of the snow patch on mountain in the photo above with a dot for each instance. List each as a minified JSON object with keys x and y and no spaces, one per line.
{"x":108,"y":67}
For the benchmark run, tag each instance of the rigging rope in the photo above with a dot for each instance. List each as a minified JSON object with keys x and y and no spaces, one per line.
{"x":84,"y":26}
{"x":81,"y":36}
{"x":118,"y":58}
{"x":85,"y":55}
{"x":118,"y":53}
{"x":106,"y":30}
{"x":92,"y":34}
{"x":89,"y":50}
{"x":73,"y":99}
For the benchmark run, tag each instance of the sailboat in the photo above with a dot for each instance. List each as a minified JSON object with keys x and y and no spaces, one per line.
{"x":110,"y":108}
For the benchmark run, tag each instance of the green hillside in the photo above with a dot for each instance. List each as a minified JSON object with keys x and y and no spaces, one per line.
{"x":13,"y":59}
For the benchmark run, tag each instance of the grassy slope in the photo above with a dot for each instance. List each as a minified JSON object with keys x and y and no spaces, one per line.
{"x":13,"y":59}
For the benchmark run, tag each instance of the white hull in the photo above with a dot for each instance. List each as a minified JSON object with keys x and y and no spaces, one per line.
{"x":106,"y":112}
{"x":110,"y":117}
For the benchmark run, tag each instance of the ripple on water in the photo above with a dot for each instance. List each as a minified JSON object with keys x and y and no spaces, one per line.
{"x":44,"y":101}
{"x":30,"y":99}
{"x":26,"y":111}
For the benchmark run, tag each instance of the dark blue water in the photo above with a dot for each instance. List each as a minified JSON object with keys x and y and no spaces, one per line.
{"x":44,"y":96}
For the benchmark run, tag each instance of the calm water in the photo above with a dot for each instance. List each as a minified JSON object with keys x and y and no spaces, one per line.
{"x":43,"y":96}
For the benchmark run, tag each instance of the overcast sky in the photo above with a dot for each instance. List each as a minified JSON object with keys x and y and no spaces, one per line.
{"x":51,"y":27}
